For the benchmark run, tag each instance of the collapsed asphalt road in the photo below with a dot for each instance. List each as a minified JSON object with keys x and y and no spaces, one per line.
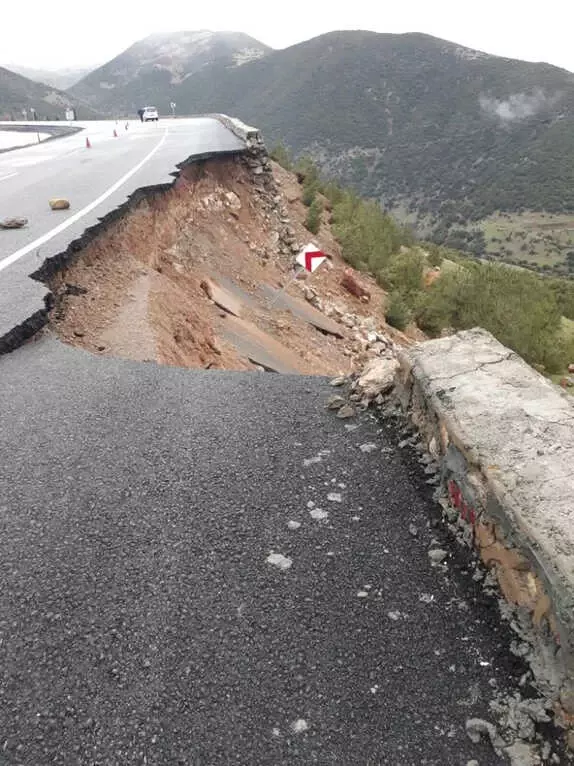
{"x":209,"y":568}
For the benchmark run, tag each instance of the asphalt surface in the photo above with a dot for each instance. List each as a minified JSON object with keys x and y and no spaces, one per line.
{"x":140,"y":620}
{"x":64,"y":167}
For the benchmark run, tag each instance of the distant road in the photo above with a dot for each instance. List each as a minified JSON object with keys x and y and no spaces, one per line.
{"x":96,"y":180}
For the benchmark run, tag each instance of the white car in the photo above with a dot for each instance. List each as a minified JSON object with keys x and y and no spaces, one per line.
{"x":150,"y":113}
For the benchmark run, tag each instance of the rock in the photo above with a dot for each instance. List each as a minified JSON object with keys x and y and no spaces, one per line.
{"x":369,"y":324}
{"x":377,"y":348}
{"x":571,"y":368}
{"x":59,"y":203}
{"x":13,"y":223}
{"x":522,"y":754}
{"x":346,"y":411}
{"x":335,"y":402}
{"x":279,"y":560}
{"x":299,"y":726}
{"x":340,"y":381}
{"x":437,"y":555}
{"x":378,"y":377}
{"x":233,"y":200}
{"x":317,"y":303}
{"x":413,"y":530}
{"x":477,"y":727}
{"x":79,"y":333}
{"x":309,"y":294}
{"x":348,"y":320}
{"x":350,"y":283}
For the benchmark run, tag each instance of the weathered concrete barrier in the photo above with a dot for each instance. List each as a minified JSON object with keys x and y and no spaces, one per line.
{"x":504,"y":437}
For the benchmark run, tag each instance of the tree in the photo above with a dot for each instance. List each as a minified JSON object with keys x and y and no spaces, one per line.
{"x":313,"y":220}
{"x":397,"y":312}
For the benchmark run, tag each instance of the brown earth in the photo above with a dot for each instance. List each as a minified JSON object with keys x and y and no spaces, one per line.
{"x":136,"y":290}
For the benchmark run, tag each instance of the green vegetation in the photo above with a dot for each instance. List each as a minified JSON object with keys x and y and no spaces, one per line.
{"x":517,"y":307}
{"x":397,"y":312}
{"x":410,"y":119}
{"x":281,"y":155}
{"x":539,"y":241}
{"x":313,"y":220}
{"x":525,"y":311}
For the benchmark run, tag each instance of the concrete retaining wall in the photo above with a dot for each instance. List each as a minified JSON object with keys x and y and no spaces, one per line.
{"x":504,"y":436}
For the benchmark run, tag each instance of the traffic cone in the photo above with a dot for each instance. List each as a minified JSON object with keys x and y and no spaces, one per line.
{"x":115,"y":133}
{"x":88,"y":144}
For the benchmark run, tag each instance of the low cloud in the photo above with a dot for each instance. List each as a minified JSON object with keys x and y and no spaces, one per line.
{"x":518,"y":106}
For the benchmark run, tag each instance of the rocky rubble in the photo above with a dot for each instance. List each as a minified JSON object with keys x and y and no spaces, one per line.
{"x":256,"y":159}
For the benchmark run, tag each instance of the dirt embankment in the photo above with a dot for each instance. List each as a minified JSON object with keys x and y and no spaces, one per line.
{"x":141,"y":290}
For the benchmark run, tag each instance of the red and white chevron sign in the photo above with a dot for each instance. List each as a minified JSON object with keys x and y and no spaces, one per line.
{"x":310,"y":258}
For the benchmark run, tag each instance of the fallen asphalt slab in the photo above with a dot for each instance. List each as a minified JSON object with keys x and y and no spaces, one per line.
{"x":209,"y":567}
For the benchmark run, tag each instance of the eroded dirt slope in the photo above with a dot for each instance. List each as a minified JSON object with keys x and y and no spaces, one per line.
{"x":141,"y":290}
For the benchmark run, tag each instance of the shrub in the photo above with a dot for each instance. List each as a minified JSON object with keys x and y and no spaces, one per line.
{"x":397,"y":312}
{"x":309,"y":193}
{"x":313,"y":220}
{"x":281,"y":155}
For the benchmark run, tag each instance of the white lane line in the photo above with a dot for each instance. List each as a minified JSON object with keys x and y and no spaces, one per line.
{"x":10,"y":259}
{"x":10,"y":175}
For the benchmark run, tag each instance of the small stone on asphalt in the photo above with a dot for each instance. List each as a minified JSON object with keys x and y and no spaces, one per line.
{"x":279,"y":560}
{"x":437,"y":555}
{"x":346,"y":411}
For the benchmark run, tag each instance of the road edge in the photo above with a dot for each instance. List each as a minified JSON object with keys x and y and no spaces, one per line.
{"x":455,"y":392}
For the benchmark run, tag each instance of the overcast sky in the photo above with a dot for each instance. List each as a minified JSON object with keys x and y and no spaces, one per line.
{"x":43,"y":34}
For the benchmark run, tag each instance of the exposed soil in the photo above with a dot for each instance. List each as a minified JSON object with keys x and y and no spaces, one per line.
{"x":136,"y":291}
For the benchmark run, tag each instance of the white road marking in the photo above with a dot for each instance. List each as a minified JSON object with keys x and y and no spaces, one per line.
{"x":10,"y":259}
{"x":10,"y":175}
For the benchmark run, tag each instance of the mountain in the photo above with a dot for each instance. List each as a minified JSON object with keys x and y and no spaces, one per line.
{"x":57,"y":78}
{"x":151,"y":70}
{"x":410,"y":118}
{"x":420,"y":123}
{"x":18,"y":93}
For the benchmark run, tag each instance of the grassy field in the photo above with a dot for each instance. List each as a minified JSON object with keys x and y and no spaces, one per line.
{"x":542,"y":240}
